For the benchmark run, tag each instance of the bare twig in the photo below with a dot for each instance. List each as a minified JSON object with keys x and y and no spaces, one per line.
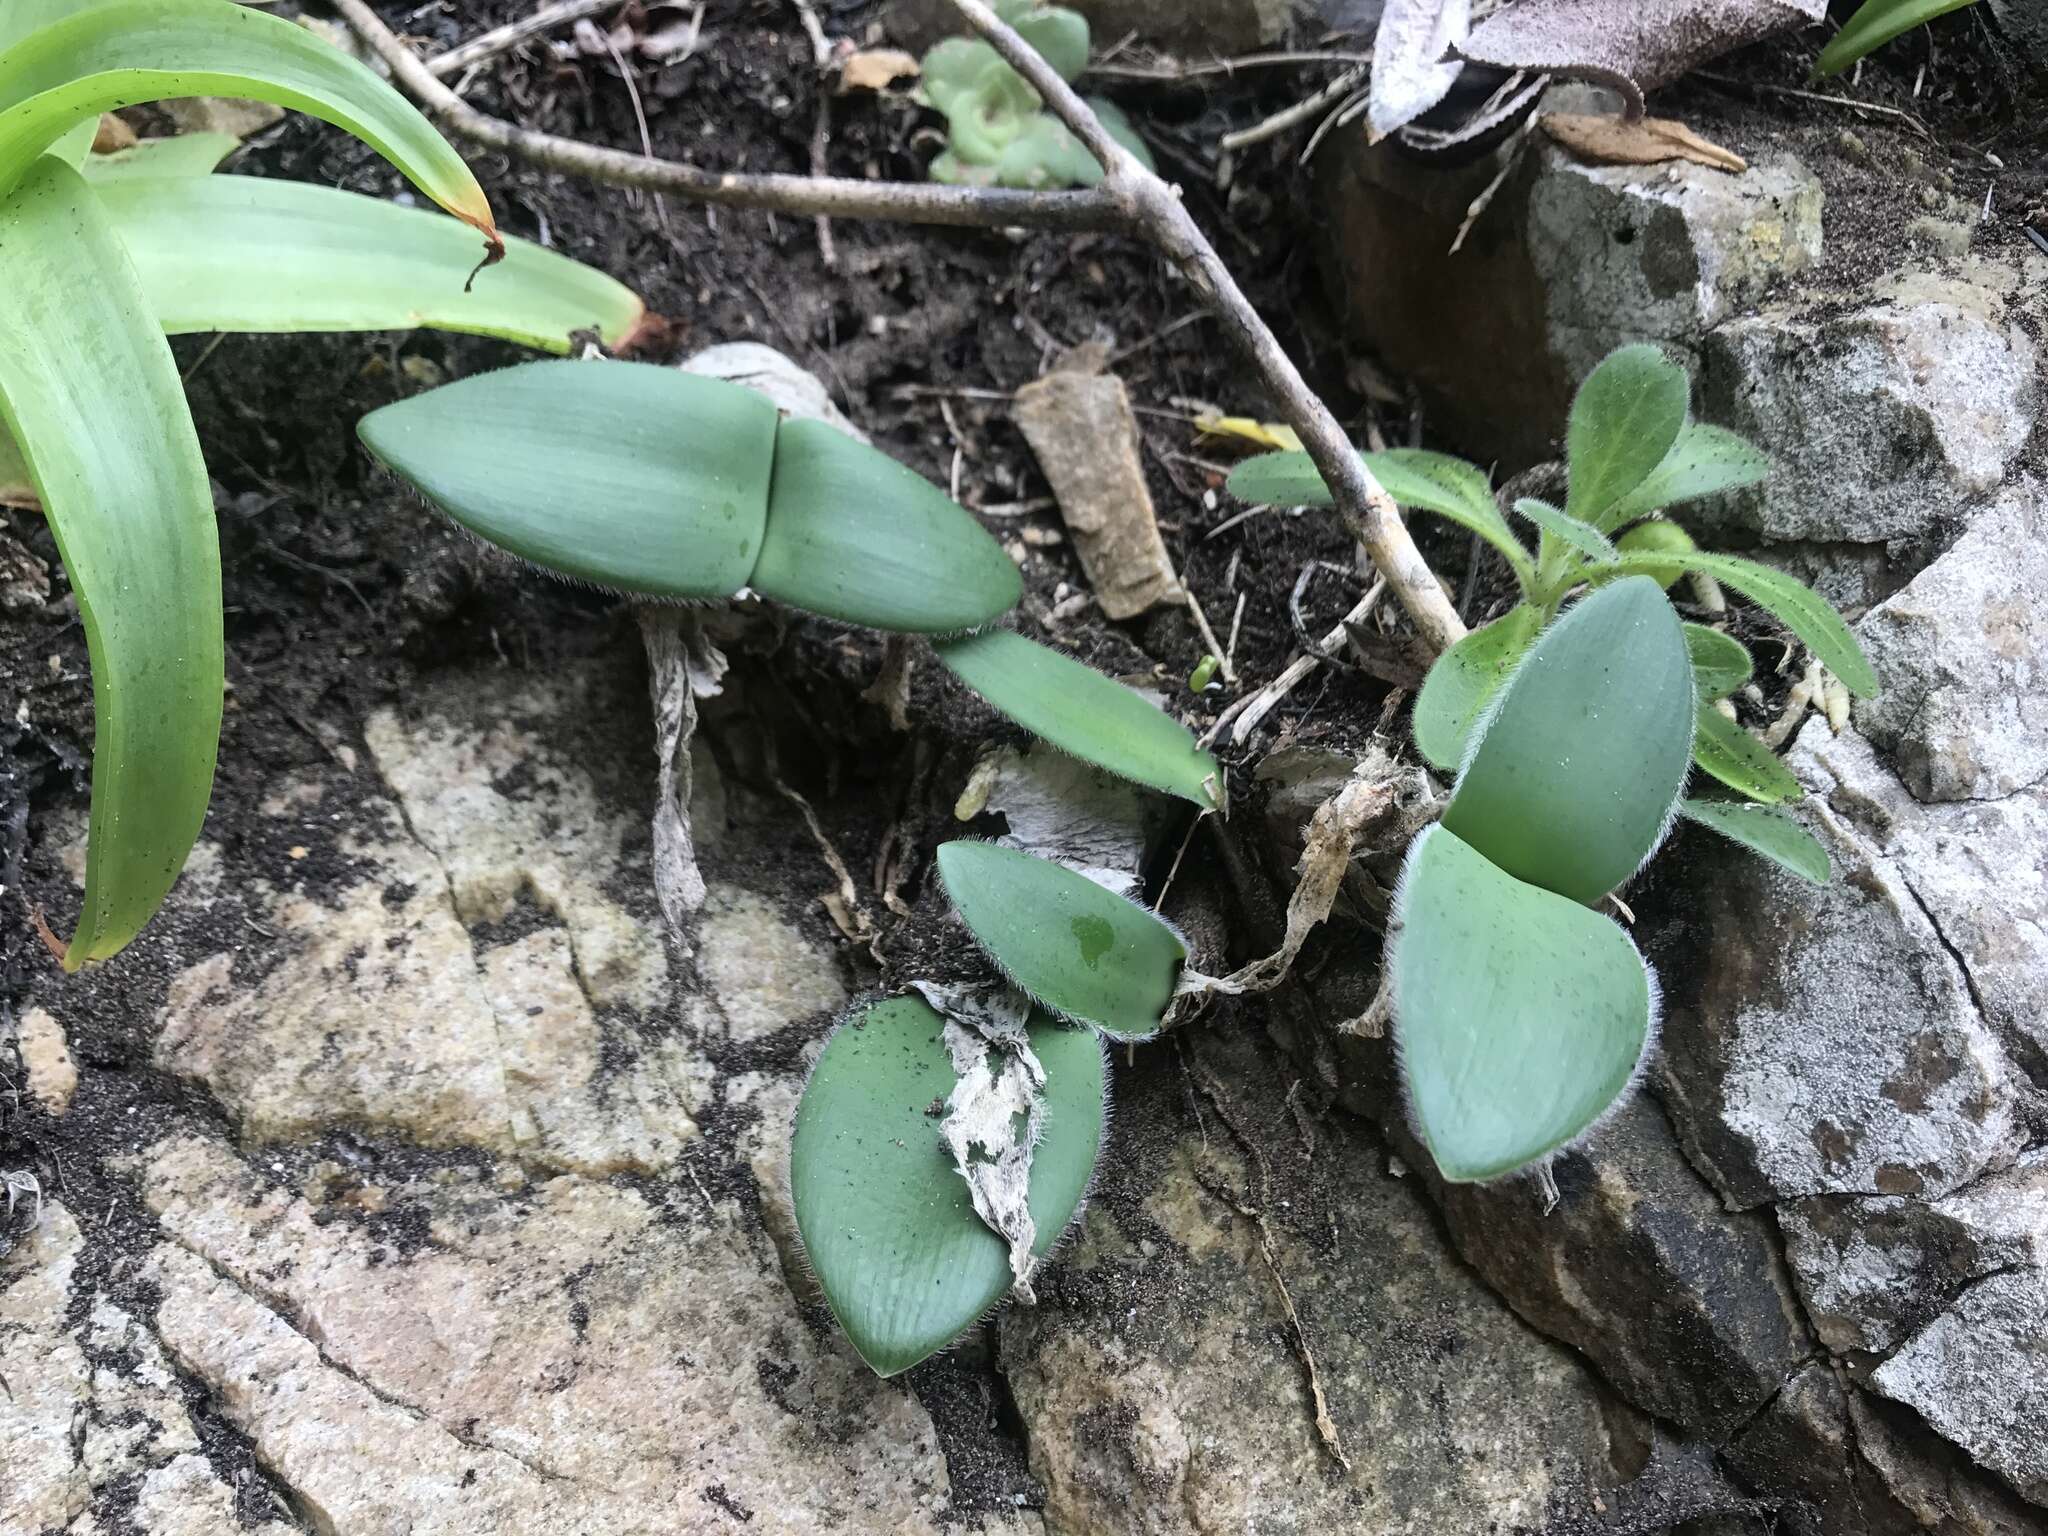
{"x":821,"y":127}
{"x":1171,"y":73}
{"x":840,"y":197}
{"x":1289,"y":117}
{"x":488,"y":45}
{"x":1248,"y":711}
{"x":1157,"y":210}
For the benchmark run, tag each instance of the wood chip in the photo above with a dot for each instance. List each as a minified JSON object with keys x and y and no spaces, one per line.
{"x":876,"y":69}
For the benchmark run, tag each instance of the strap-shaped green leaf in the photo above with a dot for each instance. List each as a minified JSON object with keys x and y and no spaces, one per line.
{"x":1464,"y":680}
{"x":1580,"y":762}
{"x":16,"y":489}
{"x":1519,"y":1015}
{"x":1084,"y":952}
{"x":856,"y":536}
{"x":90,"y":391}
{"x":184,"y":154}
{"x":1801,"y":609}
{"x":1765,"y":830}
{"x":1876,"y":23}
{"x":1624,"y":421}
{"x":1584,"y":537}
{"x":1703,"y":462}
{"x":1083,"y":713}
{"x":629,"y":476}
{"x":246,"y":253}
{"x":887,"y":1224}
{"x":1720,"y":663}
{"x":18,"y":18}
{"x":124,"y":51}
{"x":1726,"y":751}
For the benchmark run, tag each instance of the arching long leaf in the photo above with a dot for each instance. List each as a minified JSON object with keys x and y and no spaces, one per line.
{"x":1876,"y":23}
{"x":124,"y":51}
{"x":90,"y":391}
{"x":1519,"y":1015}
{"x":1083,"y":713}
{"x":1801,"y":609}
{"x":887,"y":1223}
{"x":246,"y":253}
{"x":184,"y":154}
{"x":629,"y":476}
{"x":1086,"y":953}
{"x":858,"y":537}
{"x":1582,"y":759}
{"x":1703,"y":462}
{"x":1584,"y":537}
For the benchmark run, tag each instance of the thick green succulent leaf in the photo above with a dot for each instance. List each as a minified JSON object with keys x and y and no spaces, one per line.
{"x":1084,"y":952}
{"x":246,"y":253}
{"x":855,"y":536}
{"x":74,"y":145}
{"x":1624,"y":421}
{"x":119,"y":52}
{"x":629,"y":476}
{"x":184,"y":154}
{"x":1584,"y":537}
{"x":1797,"y":606}
{"x":1581,"y":760}
{"x":1705,"y":461}
{"x":1658,"y":539}
{"x":1059,"y":35}
{"x":1729,"y":753}
{"x":90,"y":391}
{"x":1463,"y":682}
{"x":1765,"y":830}
{"x":887,"y":1223}
{"x":1876,"y":23}
{"x":1083,"y":713}
{"x":1519,"y":1015}
{"x":18,"y":18}
{"x":1720,"y":663}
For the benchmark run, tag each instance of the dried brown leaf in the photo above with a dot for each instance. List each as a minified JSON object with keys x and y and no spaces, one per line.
{"x":1635,"y":45}
{"x":1646,"y":141}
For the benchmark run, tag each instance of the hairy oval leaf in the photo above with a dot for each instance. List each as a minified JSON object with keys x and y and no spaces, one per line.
{"x":1765,"y":830}
{"x":1727,"y":752}
{"x":887,"y":1223}
{"x":1657,"y":538}
{"x":1720,"y":663}
{"x":1801,"y":609}
{"x":633,"y":477}
{"x":120,"y":52}
{"x":1519,"y":1015}
{"x":1084,"y":952}
{"x":1577,"y":768}
{"x":1464,"y":680}
{"x":1624,"y":421}
{"x":1288,"y":479}
{"x":1083,"y":713}
{"x":855,"y":536}
{"x":247,"y":253}
{"x":1703,"y":462}
{"x":91,"y":394}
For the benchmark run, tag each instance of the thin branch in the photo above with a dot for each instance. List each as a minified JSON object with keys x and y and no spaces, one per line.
{"x":1365,"y":506}
{"x":838,"y":197}
{"x":1168,"y":74}
{"x":486,"y":45}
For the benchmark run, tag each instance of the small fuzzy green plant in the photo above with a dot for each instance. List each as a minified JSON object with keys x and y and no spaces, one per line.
{"x":665,"y":485}
{"x":100,"y":257}
{"x":998,"y":134}
{"x":1631,"y":451}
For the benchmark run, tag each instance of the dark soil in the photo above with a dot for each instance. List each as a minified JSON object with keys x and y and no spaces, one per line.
{"x":343,"y":592}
